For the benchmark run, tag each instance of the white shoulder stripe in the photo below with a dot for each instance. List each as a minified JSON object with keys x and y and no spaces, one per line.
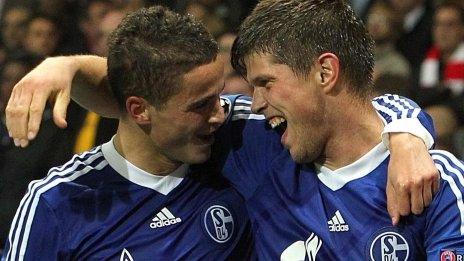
{"x":73,"y":159}
{"x":66,"y":173}
{"x":399,"y":103}
{"x":454,"y":185}
{"x":450,"y":158}
{"x":242,"y":108}
{"x":383,"y":109}
{"x":243,"y":101}
{"x":407,"y":105}
{"x":247,"y":117}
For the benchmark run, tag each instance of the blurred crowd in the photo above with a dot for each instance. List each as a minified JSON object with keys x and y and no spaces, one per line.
{"x":419,"y":53}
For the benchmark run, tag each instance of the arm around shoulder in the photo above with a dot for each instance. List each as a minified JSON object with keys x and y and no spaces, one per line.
{"x":52,"y":80}
{"x":412,"y":176}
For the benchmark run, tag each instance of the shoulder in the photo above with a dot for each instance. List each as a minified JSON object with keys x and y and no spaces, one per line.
{"x":451,"y":168}
{"x":78,"y":174}
{"x":445,"y":215}
{"x":451,"y":181}
{"x":238,"y":107}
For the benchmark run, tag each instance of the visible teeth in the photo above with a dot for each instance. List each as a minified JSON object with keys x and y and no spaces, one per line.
{"x":276,"y":121}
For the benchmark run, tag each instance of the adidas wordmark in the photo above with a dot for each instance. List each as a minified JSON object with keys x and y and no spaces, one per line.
{"x":337,"y":223}
{"x":164,"y":218}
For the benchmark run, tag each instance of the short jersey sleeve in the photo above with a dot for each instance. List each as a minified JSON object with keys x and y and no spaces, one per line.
{"x":400,"y":114}
{"x":35,"y":233}
{"x":445,"y":216}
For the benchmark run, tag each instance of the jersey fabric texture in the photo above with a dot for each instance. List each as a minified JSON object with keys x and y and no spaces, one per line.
{"x":99,"y":206}
{"x":307,"y":212}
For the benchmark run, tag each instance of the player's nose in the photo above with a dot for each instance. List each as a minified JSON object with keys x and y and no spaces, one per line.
{"x":259,"y":103}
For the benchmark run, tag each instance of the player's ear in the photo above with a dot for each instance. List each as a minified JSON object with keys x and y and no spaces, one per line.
{"x":327,"y":71}
{"x":137,"y":108}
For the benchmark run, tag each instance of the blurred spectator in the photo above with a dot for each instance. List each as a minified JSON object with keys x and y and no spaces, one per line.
{"x":382,"y":26}
{"x":234,"y":82}
{"x":215,"y":24}
{"x":444,"y":63}
{"x":108,"y":23}
{"x":130,"y":5}
{"x":218,"y":16}
{"x":14,"y":28}
{"x":93,"y":15}
{"x":446,"y":125}
{"x":392,"y":83}
{"x":415,"y":38}
{"x":42,"y":36}
{"x":66,"y":14}
{"x":95,"y":129}
{"x":19,"y":166}
{"x":362,"y":7}
{"x":53,"y":8}
{"x":225,"y":43}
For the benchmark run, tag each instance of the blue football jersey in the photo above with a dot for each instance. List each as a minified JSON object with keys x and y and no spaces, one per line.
{"x":99,"y":206}
{"x":307,"y":212}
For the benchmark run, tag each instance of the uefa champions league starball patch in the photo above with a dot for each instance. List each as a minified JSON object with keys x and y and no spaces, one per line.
{"x":218,"y":223}
{"x":451,"y":255}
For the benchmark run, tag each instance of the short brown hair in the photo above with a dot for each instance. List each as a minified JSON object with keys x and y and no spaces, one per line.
{"x":152,"y":49}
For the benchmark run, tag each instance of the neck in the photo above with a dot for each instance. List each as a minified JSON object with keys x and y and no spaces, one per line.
{"x":135,"y":145}
{"x":354,"y":130}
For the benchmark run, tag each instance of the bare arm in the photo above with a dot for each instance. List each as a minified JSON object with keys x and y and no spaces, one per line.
{"x":90,"y":87}
{"x":52,"y":79}
{"x":412,"y":175}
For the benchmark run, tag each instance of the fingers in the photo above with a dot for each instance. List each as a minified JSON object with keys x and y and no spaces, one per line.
{"x":417,"y":201}
{"x":36,"y":110}
{"x":427,"y":192}
{"x":392,"y":204}
{"x":17,"y":115}
{"x":410,"y":196}
{"x":414,"y":177}
{"x":60,"y":108}
{"x":403,"y":198}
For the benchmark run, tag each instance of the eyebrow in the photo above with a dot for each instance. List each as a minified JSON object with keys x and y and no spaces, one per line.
{"x":258,"y":80}
{"x":203,"y":99}
{"x":196,"y":102}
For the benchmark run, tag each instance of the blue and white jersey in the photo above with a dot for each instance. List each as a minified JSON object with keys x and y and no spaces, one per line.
{"x":99,"y":206}
{"x":305,"y":212}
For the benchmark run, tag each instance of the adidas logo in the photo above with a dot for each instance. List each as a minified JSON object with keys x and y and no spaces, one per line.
{"x":164,"y":218}
{"x":337,"y":223}
{"x":126,"y":256}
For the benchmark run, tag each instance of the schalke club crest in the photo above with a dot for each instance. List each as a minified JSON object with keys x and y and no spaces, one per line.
{"x":219,"y":223}
{"x":388,"y":244}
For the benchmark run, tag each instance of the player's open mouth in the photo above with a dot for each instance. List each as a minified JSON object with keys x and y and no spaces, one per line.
{"x":278,"y":123}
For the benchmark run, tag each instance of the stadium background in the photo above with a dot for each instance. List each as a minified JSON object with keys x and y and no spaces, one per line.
{"x":408,"y":36}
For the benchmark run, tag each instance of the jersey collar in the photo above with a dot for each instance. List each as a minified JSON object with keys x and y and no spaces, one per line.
{"x":161,"y":184}
{"x":336,"y":179}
